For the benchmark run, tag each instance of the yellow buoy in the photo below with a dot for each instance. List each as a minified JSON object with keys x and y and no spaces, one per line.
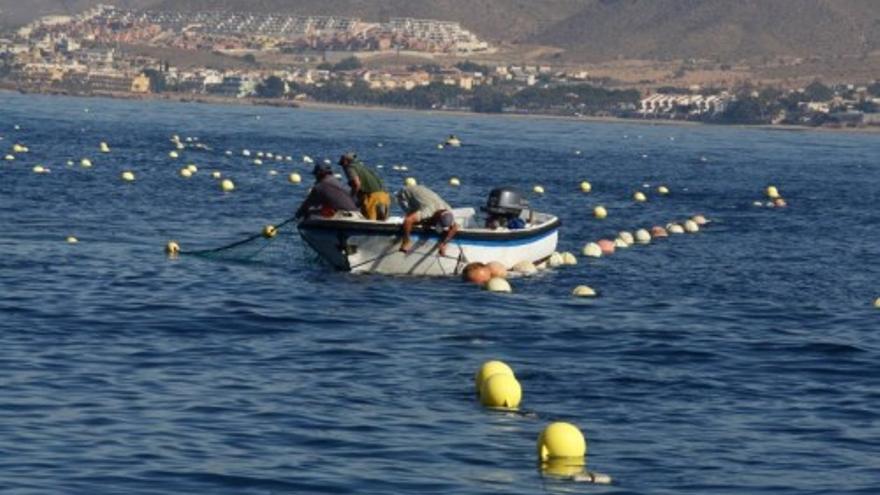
{"x":772,"y":192}
{"x":562,"y":441}
{"x":538,"y":189}
{"x":524,"y":267}
{"x":662,"y":190}
{"x":691,"y":227}
{"x":128,"y":176}
{"x":104,"y":148}
{"x":586,"y":187}
{"x":257,"y":161}
{"x":185,"y":173}
{"x":71,"y":239}
{"x":227,"y":185}
{"x":19,"y":148}
{"x":555,"y":260}
{"x":583,"y":291}
{"x":501,"y":390}
{"x":674,"y":228}
{"x":488,"y":369}
{"x":86,"y":163}
{"x":192,"y":168}
{"x":172,"y":248}
{"x":569,"y":259}
{"x":643,"y":236}
{"x":216,"y":174}
{"x":269,"y":231}
{"x":498,"y":284}
{"x":600,"y":212}
{"x":877,"y":303}
{"x":592,"y":250}
{"x":410,"y":181}
{"x":294,"y":178}
{"x":639,"y":197}
{"x":454,"y":182}
{"x":172,"y":154}
{"x":39,"y":169}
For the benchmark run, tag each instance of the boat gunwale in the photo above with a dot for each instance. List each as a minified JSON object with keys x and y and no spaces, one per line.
{"x":374,"y":227}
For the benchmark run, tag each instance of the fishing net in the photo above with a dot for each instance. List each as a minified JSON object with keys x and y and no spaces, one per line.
{"x":282,"y":246}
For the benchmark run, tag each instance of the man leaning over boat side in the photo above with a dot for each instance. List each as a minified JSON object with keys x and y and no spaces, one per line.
{"x":366,"y":188}
{"x":426,"y":207}
{"x":328,"y":195}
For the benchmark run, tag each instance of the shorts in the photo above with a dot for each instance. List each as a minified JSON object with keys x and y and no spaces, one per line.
{"x":375,"y":206}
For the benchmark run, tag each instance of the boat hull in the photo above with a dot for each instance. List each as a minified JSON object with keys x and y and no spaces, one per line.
{"x":373,"y":247}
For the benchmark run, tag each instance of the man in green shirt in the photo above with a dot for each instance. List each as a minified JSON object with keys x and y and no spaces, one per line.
{"x":366,"y":187}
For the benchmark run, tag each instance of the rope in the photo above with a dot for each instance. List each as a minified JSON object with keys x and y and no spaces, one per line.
{"x":236,"y":244}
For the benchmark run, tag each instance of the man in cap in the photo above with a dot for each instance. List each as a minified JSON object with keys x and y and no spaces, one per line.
{"x":328,"y":195}
{"x":424,"y":206}
{"x":366,"y":187}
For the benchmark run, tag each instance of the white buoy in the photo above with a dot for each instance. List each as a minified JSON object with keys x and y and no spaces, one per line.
{"x":9,"y":158}
{"x":404,"y":168}
{"x":674,"y":228}
{"x":128,"y":176}
{"x":600,"y":212}
{"x":639,"y":197}
{"x":288,"y":158}
{"x":586,"y":187}
{"x":524,"y":267}
{"x":19,"y":148}
{"x":173,"y":154}
{"x":71,"y":239}
{"x":877,"y":303}
{"x":643,"y":236}
{"x":294,"y":178}
{"x":439,"y":146}
{"x":569,"y":258}
{"x":454,"y":182}
{"x":691,"y":227}
{"x":39,"y":169}
{"x":86,"y":163}
{"x":192,"y":168}
{"x":273,"y":172}
{"x":498,"y":284}
{"x":538,"y":189}
{"x":185,"y":173}
{"x":620,"y":243}
{"x":583,"y":291}
{"x":555,"y":260}
{"x":104,"y":147}
{"x":307,"y":159}
{"x":410,"y":181}
{"x":270,"y":155}
{"x":227,"y":185}
{"x":216,"y":174}
{"x":757,"y":204}
{"x":626,"y":237}
{"x":662,"y":190}
{"x":228,"y":153}
{"x":592,"y":250}
{"x":700,"y":220}
{"x":261,"y":154}
{"x":245,"y":152}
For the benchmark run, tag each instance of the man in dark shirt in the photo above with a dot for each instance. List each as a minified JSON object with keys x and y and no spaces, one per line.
{"x":328,"y":195}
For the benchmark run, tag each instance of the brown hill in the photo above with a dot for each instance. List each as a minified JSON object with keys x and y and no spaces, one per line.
{"x":18,"y":12}
{"x":720,"y":29}
{"x":593,"y":29}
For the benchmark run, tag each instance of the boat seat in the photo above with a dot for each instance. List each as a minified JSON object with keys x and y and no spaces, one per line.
{"x":464,"y":217}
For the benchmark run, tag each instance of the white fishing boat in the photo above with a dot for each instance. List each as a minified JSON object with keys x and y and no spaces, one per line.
{"x":352,"y":243}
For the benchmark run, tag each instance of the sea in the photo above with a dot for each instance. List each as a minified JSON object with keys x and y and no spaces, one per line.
{"x":742,"y":359}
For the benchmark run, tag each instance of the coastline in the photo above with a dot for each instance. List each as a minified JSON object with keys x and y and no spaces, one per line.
{"x":309,"y":104}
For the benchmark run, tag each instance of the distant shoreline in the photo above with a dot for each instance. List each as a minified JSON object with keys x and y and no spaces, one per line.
{"x":308,"y":104}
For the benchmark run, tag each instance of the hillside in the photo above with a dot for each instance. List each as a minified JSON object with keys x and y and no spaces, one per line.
{"x":18,"y":12}
{"x":722,"y":29}
{"x":591,"y":30}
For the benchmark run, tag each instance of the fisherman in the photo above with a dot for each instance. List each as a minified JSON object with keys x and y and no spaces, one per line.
{"x":424,"y":206}
{"x":366,"y":188}
{"x":327,"y":196}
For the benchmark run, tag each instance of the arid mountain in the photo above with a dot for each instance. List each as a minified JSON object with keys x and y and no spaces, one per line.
{"x":594,"y":29}
{"x":722,"y":29}
{"x":17,"y":12}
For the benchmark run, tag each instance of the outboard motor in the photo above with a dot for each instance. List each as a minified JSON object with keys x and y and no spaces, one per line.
{"x":504,"y":207}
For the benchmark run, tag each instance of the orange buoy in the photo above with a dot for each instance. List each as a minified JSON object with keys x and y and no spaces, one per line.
{"x":607,"y":246}
{"x":477,"y":273}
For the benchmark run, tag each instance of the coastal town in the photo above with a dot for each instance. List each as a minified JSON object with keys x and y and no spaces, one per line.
{"x":426,"y":64}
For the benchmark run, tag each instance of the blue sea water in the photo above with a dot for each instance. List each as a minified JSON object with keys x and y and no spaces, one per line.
{"x":744,"y":359}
